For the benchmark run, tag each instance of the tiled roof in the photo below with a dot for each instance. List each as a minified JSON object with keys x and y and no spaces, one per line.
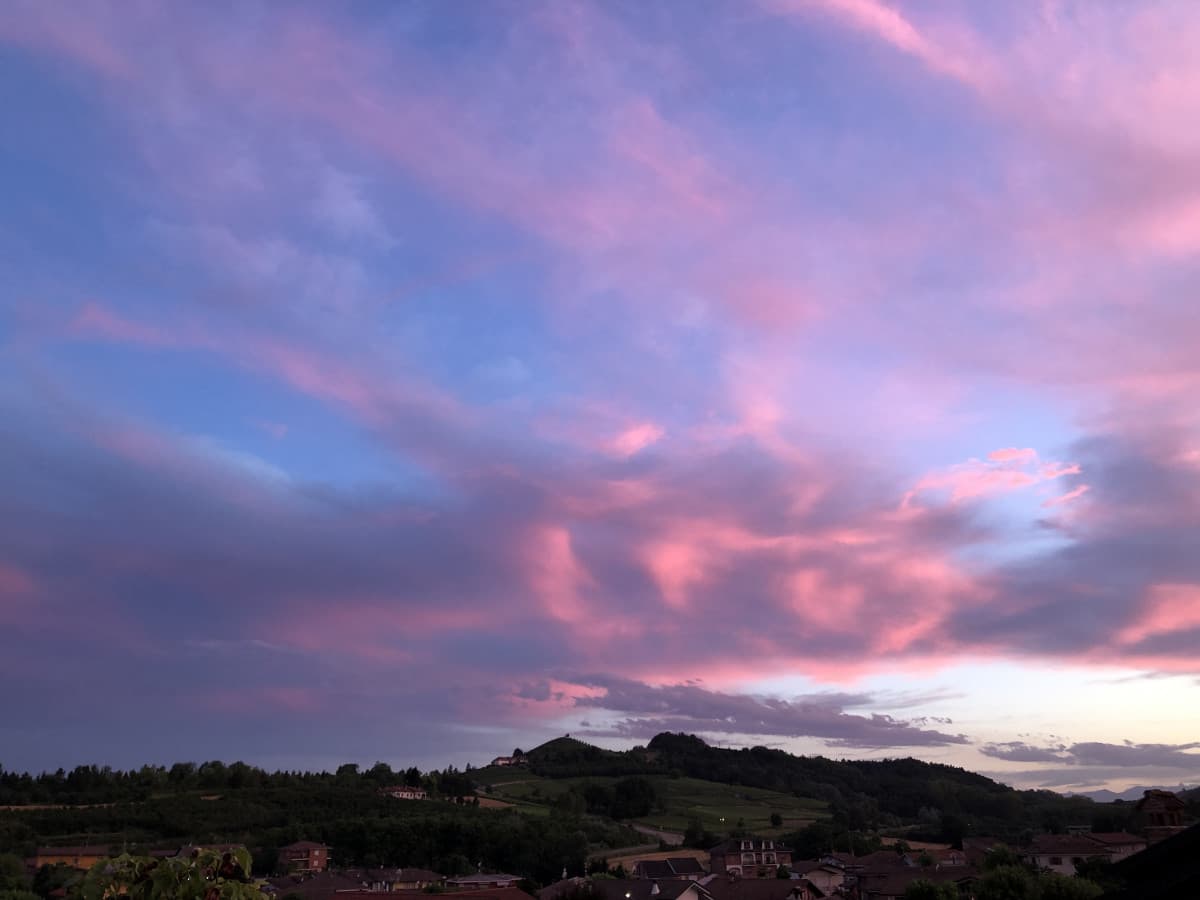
{"x":669,"y":868}
{"x":725,"y":888}
{"x":894,"y":884}
{"x":304,"y":845}
{"x":1167,"y":798}
{"x":644,"y":889}
{"x":1066,"y":844}
{"x":504,"y":893}
{"x":316,"y":887}
{"x":1116,"y":837}
{"x":409,"y":874}
{"x":483,"y":878}
{"x":558,"y":888}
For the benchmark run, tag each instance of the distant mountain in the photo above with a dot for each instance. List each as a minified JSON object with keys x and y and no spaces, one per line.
{"x":1129,"y":794}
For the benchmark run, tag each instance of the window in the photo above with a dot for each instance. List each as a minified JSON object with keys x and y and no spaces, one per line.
{"x":747,"y":845}
{"x":1076,"y":860}
{"x":1056,"y":860}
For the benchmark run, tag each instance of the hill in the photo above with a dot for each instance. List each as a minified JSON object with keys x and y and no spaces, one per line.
{"x":930,"y":800}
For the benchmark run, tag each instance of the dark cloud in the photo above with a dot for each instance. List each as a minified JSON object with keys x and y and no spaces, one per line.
{"x":649,"y":710}
{"x":1019,"y":751}
{"x":1098,"y":754}
{"x":1140,"y":528}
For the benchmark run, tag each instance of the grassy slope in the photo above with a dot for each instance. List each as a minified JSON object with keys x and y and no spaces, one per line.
{"x":685,"y":798}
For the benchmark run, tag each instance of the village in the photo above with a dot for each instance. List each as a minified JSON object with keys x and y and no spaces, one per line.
{"x":738,"y":868}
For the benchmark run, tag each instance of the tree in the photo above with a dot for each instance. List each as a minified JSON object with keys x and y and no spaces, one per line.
{"x":925,"y":860}
{"x":12,"y":873}
{"x":51,"y":878}
{"x":997,"y":857}
{"x":1007,"y":883}
{"x":924,"y":889}
{"x":783,"y":872}
{"x":776,"y":820}
{"x":205,"y":875}
{"x":14,"y":894}
{"x":1064,"y":887}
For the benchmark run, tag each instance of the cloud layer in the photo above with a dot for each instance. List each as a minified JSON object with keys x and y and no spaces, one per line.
{"x":535,"y":363}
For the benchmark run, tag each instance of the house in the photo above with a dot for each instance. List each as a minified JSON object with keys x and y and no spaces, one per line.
{"x":505,"y":893}
{"x":304,"y":856}
{"x":404,"y":792}
{"x":687,"y":868}
{"x":643,"y":889}
{"x":894,"y":885}
{"x":733,"y":887}
{"x":1166,"y":870}
{"x":977,"y":848}
{"x":81,"y":857}
{"x":1119,"y":844}
{"x":948,"y":857}
{"x":1160,"y":814}
{"x":825,"y":876}
{"x":565,"y":888}
{"x":503,"y":761}
{"x":482,"y":880}
{"x":321,"y":886}
{"x":749,"y":857}
{"x":1062,"y":852}
{"x":408,"y":879}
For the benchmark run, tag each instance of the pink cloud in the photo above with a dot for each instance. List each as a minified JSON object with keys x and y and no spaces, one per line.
{"x":1012,"y":454}
{"x":96,"y":321}
{"x":1167,"y":608}
{"x":1004,"y":471}
{"x":635,"y":438}
{"x":950,"y":56}
{"x":556,"y":575}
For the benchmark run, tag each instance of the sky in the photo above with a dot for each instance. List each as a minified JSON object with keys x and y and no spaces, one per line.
{"x":415,"y":381}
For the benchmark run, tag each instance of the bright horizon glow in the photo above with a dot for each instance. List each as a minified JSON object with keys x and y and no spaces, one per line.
{"x":800,"y":372}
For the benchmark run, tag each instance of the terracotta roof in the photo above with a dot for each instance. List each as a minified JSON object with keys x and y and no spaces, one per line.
{"x":504,"y":893}
{"x":409,"y":874}
{"x":1167,"y":798}
{"x":644,"y":889}
{"x":558,"y":888}
{"x":304,"y":845}
{"x":316,"y":887}
{"x":804,"y":866}
{"x":84,"y":850}
{"x":894,"y":884}
{"x":669,"y":868}
{"x":1067,"y":845}
{"x":483,"y":878}
{"x":724,"y":888}
{"x":1116,"y":837}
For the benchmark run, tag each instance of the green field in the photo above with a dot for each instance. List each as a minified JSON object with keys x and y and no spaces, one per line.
{"x":684,"y":798}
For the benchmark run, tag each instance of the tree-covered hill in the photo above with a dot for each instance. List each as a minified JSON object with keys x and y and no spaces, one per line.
{"x":942,"y":801}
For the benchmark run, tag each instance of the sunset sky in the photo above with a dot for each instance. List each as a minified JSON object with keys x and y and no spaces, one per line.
{"x":410,"y":381}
